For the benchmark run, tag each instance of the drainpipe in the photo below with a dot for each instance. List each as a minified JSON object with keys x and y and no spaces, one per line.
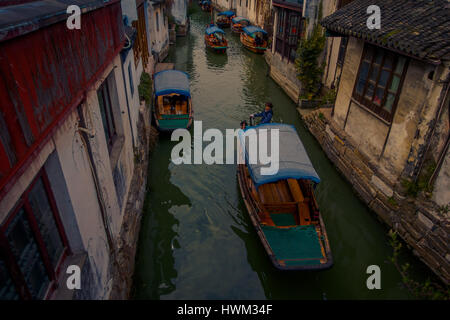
{"x":438,"y":115}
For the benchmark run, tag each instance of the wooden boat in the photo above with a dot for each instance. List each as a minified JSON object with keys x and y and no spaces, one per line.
{"x":254,"y":39}
{"x":206,"y":5}
{"x":224,"y":19}
{"x":238,"y":23}
{"x":214,"y":39}
{"x":282,"y":206}
{"x":172,"y":100}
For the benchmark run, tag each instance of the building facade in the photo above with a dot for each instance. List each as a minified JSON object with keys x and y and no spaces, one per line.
{"x":388,"y":131}
{"x":288,"y":29}
{"x":159,"y":29}
{"x":69,"y":117}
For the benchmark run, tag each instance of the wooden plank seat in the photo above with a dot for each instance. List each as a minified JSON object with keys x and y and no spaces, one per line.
{"x":303,"y":207}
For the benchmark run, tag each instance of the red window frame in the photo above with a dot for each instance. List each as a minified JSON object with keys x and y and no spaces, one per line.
{"x":10,"y":260}
{"x":369,"y":57}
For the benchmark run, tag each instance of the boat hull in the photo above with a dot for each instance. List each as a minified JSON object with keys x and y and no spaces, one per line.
{"x":253,"y":207}
{"x":167,"y":125}
{"x":169,"y":121}
{"x":236,"y":28}
{"x":219,"y":48}
{"x":223,"y":24}
{"x":250,"y":45}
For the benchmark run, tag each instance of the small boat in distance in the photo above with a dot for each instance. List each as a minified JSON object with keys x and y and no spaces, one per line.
{"x":224,"y":19}
{"x":214,"y":39}
{"x":238,"y":23}
{"x":282,"y":205}
{"x":254,"y":39}
{"x":172,"y":100}
{"x":206,"y":5}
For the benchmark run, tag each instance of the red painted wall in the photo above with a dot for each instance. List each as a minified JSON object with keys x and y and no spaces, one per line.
{"x":44,"y":74}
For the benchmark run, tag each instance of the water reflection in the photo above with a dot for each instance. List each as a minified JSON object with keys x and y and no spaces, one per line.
{"x":215,"y":61}
{"x":159,"y":232}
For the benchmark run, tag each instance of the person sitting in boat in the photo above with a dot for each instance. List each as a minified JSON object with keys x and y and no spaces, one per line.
{"x":266,"y":115}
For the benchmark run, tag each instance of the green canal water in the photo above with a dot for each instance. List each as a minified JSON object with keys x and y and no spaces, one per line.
{"x":196,"y":239}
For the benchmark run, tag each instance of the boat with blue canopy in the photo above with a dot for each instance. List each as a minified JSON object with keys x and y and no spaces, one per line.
{"x":238,"y":23}
{"x":281,"y":203}
{"x":206,"y":5}
{"x":214,"y":38}
{"x":172,"y":100}
{"x":224,"y":18}
{"x":254,"y":38}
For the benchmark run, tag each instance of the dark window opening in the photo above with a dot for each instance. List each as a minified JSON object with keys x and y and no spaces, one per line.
{"x":109,"y":126}
{"x":7,"y":144}
{"x":130,"y":76}
{"x":288,"y":34}
{"x":32,"y":245}
{"x":157,"y":21}
{"x":379,"y":80}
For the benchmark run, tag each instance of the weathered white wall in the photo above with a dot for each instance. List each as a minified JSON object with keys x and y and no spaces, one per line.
{"x":129,"y":10}
{"x":81,"y":215}
{"x":159,"y":38}
{"x":133,"y":97}
{"x":179,"y":11}
{"x":344,"y":94}
{"x":417,"y":105}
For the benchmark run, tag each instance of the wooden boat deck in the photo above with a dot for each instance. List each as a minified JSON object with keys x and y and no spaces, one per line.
{"x":164,"y":107}
{"x":284,"y":196}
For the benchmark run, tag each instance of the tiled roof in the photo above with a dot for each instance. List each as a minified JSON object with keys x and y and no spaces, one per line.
{"x":419,"y":28}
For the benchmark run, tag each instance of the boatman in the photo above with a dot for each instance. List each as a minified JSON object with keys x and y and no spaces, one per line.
{"x":266,"y":115}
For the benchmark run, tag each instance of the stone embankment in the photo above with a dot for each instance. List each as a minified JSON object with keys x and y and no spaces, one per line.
{"x":420,"y":222}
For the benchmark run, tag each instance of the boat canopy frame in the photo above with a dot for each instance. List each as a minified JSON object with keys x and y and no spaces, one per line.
{"x":171,"y":81}
{"x":239,"y":19}
{"x":294,"y":162}
{"x":228,"y":13}
{"x":213,"y":29}
{"x":251,"y":30}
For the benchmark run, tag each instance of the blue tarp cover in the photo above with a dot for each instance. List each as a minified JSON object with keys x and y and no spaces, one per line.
{"x":252,"y":29}
{"x":172,"y":81}
{"x":226,"y":13}
{"x":293,"y":160}
{"x":239,"y":19}
{"x":213,"y":29}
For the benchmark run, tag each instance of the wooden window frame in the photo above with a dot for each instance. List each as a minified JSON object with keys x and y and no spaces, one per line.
{"x":10,"y":261}
{"x":283,"y":47}
{"x":369,"y":104}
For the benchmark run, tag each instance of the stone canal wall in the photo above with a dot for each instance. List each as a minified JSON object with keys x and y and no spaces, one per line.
{"x":123,"y":270}
{"x":419,"y":221}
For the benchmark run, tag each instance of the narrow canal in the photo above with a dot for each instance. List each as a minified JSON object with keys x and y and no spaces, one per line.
{"x":196,"y":239}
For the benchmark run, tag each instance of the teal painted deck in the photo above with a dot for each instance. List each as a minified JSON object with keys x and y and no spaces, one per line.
{"x":297,"y":245}
{"x":168,"y":123}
